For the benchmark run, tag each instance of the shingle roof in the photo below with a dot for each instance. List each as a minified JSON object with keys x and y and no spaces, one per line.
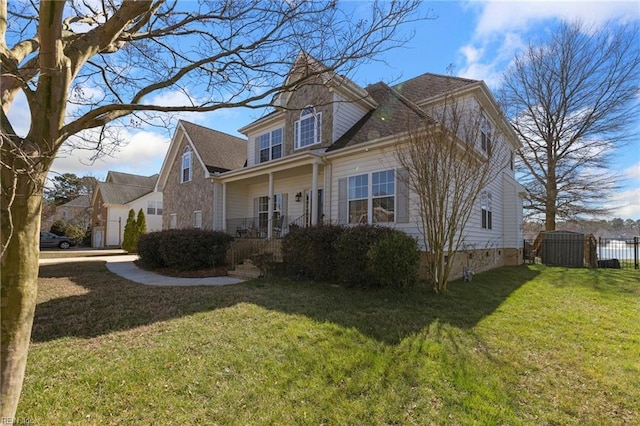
{"x":120,"y":178}
{"x":122,"y":188}
{"x":80,"y":201}
{"x":219,"y":151}
{"x":395,"y":114}
{"x":428,"y":85}
{"x":113,"y":193}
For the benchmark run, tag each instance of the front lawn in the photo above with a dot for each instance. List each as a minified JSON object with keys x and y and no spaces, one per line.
{"x":518,"y":345}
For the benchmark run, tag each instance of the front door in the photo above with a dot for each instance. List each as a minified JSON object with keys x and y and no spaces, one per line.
{"x":308,"y":208}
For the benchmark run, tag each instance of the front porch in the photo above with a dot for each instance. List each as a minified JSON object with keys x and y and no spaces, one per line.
{"x":268,"y":200}
{"x":257,"y":227}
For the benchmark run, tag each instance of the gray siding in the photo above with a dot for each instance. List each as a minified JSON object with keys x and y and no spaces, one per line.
{"x":345,"y":115}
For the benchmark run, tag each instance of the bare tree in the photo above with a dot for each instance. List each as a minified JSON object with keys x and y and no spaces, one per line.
{"x":572,"y":101}
{"x":83,"y":65}
{"x":449,"y":162}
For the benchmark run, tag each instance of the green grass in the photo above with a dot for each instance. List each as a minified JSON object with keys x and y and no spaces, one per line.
{"x":518,"y":345}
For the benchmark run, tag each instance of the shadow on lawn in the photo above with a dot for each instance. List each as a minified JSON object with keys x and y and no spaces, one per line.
{"x":85,"y":300}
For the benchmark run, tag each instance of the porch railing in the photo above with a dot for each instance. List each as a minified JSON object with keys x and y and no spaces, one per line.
{"x":251,"y":227}
{"x":254,"y":227}
{"x":300,"y":222}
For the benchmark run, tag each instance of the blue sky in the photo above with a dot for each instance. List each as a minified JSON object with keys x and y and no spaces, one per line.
{"x":477,"y":38}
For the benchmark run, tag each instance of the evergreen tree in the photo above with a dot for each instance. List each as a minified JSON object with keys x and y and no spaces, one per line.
{"x":141,"y":225}
{"x":130,"y":242}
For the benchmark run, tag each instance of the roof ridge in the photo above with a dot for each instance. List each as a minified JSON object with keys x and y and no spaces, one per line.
{"x":452,"y":77}
{"x":211,"y":129}
{"x":402,"y":99}
{"x":127,"y":184}
{"x":131,"y":174}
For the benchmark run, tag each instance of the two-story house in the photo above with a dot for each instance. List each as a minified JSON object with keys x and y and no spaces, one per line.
{"x":112,"y":200}
{"x":326,"y":154}
{"x":196,"y":154}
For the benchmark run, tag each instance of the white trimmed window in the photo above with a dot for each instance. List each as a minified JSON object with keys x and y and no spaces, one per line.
{"x":197,"y":219}
{"x":486,"y":207}
{"x":186,"y":165}
{"x":269,"y":145}
{"x":173,"y":221}
{"x":307,"y":129}
{"x":154,"y":207}
{"x":371,"y":197}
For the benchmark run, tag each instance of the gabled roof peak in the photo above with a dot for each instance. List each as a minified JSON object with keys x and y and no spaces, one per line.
{"x":306,"y":64}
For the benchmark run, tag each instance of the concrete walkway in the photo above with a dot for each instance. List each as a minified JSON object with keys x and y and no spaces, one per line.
{"x":123,"y":265}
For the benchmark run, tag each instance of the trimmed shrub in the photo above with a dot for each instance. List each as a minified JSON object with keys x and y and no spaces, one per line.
{"x":149,"y":249}
{"x":351,"y":251}
{"x":311,"y":252}
{"x":394,"y":260}
{"x":63,"y":228}
{"x":74,"y":231}
{"x":190,"y":249}
{"x":58,"y":227}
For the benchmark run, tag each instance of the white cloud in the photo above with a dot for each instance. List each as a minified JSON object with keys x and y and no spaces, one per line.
{"x":145,"y":148}
{"x":633,"y":172}
{"x":502,"y":26}
{"x":628,"y":202}
{"x":142,"y":155}
{"x":501,"y":16}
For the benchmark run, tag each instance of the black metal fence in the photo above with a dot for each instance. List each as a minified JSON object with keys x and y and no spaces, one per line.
{"x":619,"y":253}
{"x":582,"y":250}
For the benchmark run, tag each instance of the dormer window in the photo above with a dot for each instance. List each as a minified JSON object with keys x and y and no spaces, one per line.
{"x":186,"y":165}
{"x":307,"y":129}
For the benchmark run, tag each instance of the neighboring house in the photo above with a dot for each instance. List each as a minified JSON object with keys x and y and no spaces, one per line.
{"x":76,"y":211}
{"x":196,"y":154}
{"x":112,"y":200}
{"x":326,"y":154}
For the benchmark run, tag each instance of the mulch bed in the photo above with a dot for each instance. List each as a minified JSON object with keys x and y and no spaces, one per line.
{"x":220,"y":271}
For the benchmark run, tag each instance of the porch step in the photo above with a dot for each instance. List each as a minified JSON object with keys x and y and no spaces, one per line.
{"x":247,"y":270}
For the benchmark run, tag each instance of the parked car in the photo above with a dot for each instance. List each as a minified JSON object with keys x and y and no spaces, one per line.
{"x":48,"y":239}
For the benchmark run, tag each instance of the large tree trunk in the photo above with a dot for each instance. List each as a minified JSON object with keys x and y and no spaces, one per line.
{"x":550,"y":208}
{"x":550,"y":214}
{"x":19,"y":276}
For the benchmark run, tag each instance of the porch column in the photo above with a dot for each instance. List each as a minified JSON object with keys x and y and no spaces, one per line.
{"x":270,"y":209}
{"x":224,"y":206}
{"x":314,"y":195}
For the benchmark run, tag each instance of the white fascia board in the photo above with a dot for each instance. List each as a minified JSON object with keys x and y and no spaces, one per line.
{"x":285,"y":163}
{"x":268,"y":121}
{"x":487,"y":101}
{"x":170,"y":157}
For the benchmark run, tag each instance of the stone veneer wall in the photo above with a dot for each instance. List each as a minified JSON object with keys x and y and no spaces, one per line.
{"x":321,"y":98}
{"x":185,"y":198}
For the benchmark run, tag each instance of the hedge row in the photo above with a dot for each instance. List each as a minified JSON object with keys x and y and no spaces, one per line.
{"x":364,"y":256}
{"x":310,"y":252}
{"x":183,"y":249}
